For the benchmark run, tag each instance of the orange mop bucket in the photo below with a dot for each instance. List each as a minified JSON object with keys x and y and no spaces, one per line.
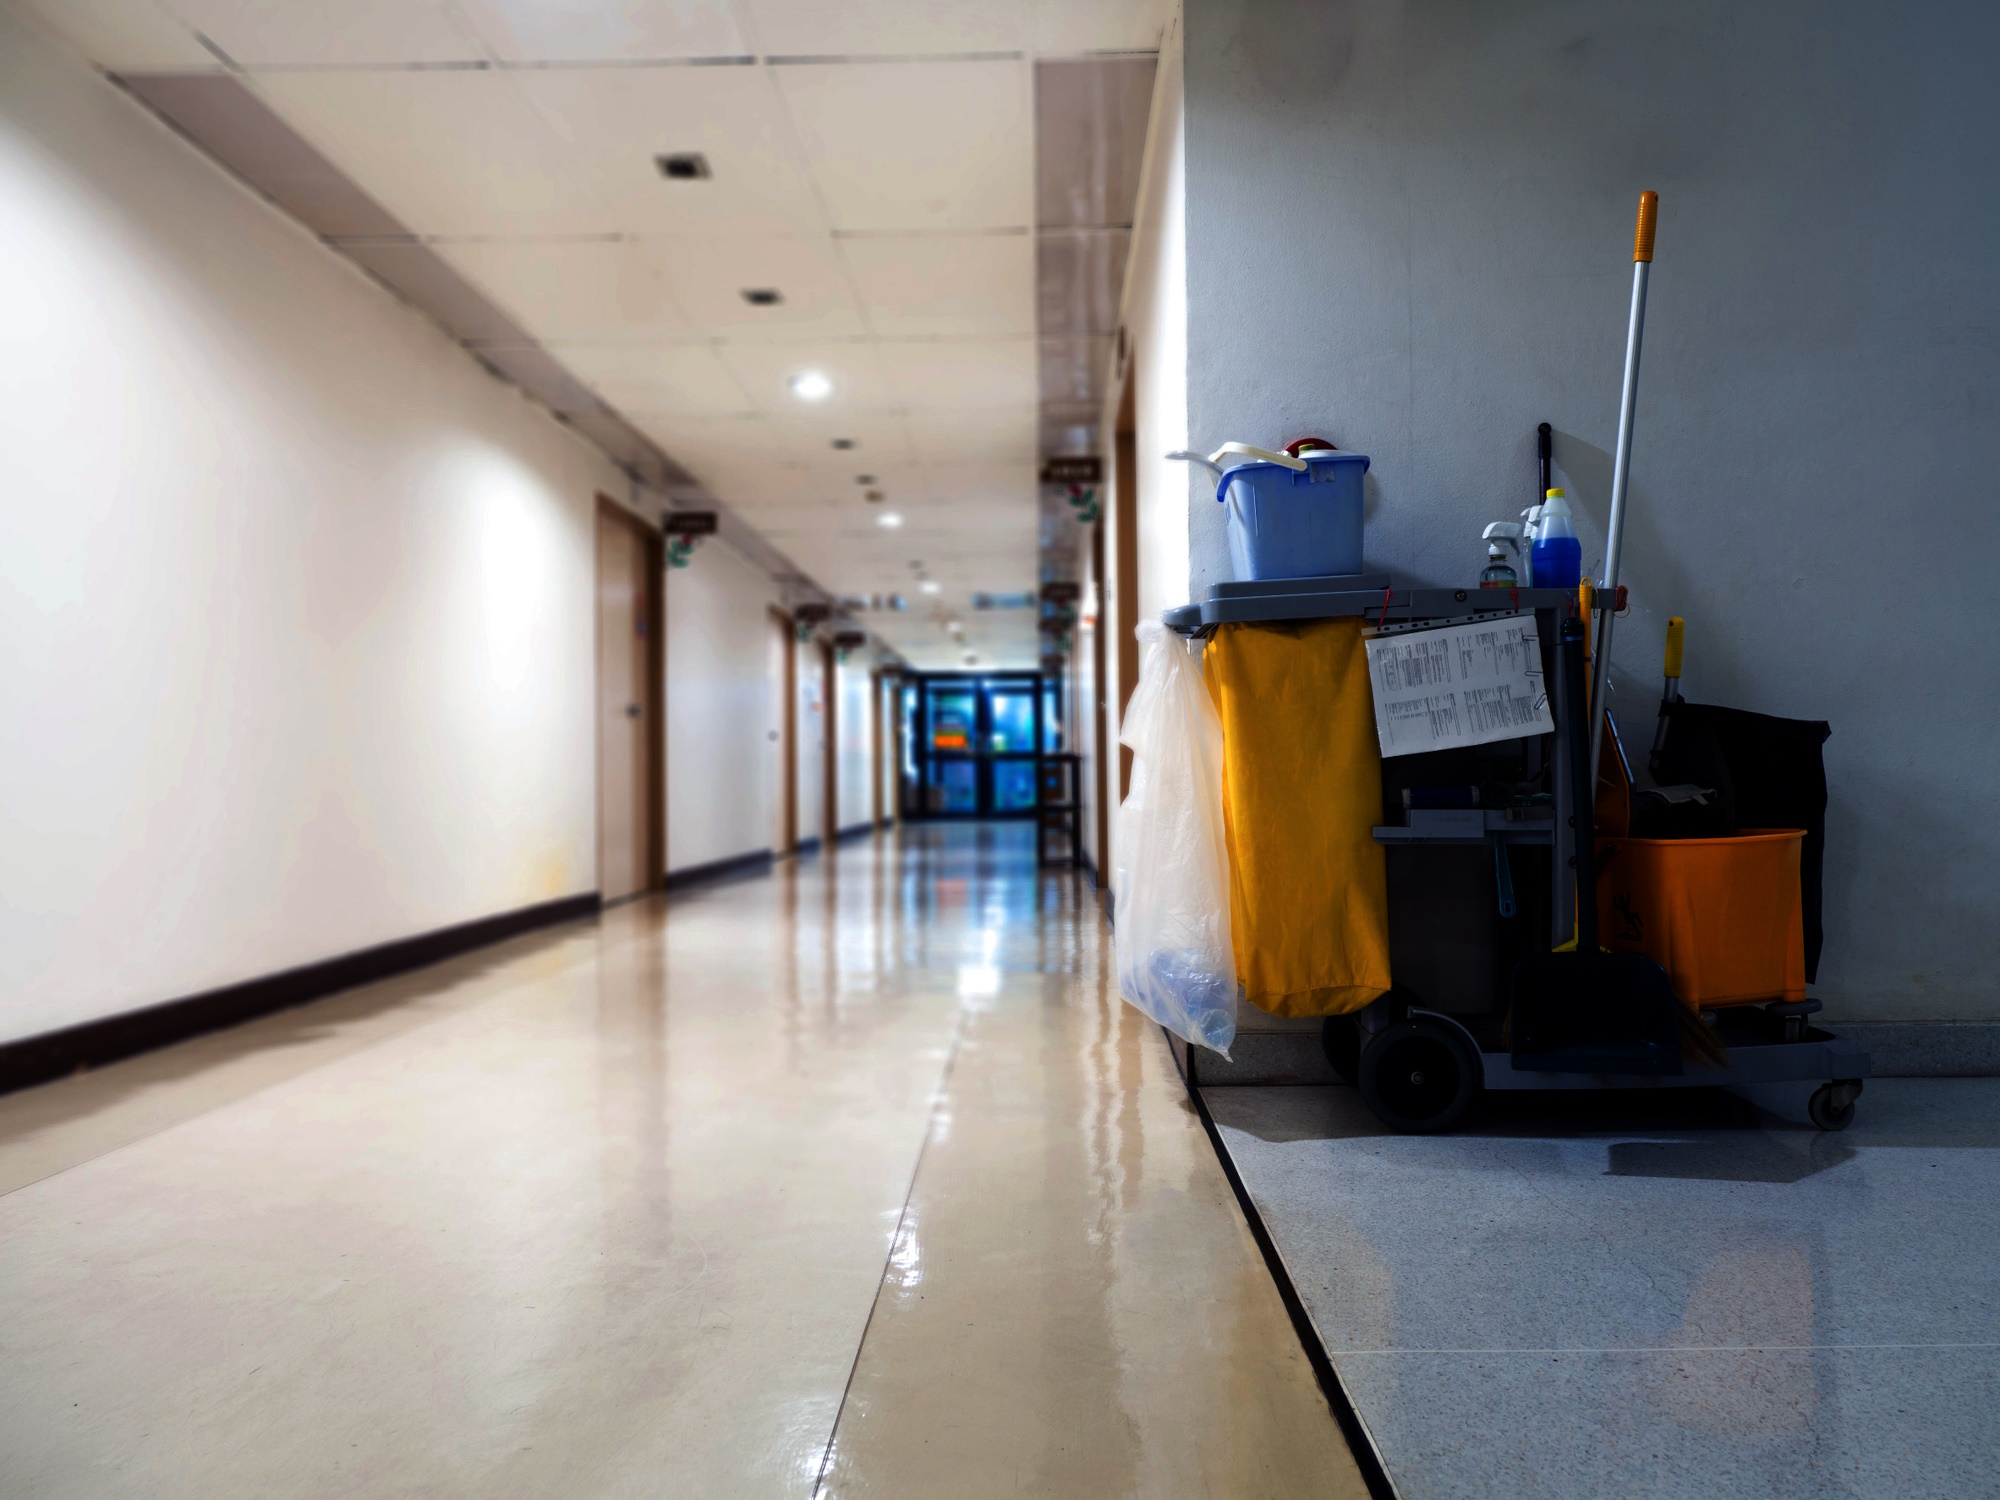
{"x":1723,"y":917}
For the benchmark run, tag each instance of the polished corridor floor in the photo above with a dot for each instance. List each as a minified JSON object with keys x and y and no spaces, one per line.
{"x":854,"y":1179}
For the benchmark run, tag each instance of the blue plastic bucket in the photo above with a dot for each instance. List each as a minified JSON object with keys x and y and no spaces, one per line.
{"x":1288,"y":523}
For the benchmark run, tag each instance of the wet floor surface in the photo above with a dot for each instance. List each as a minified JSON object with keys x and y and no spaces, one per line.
{"x":851,"y":1179}
{"x":1691,"y":1296}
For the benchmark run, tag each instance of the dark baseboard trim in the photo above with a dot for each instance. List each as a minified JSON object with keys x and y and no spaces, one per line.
{"x":37,"y":1059}
{"x":856,"y":831}
{"x":758,"y":863}
{"x":1367,"y":1458}
{"x":806,"y":846}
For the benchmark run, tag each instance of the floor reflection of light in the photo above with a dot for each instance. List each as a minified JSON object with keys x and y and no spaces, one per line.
{"x":978,"y":979}
{"x":906,"y":1260}
{"x":983,"y":977}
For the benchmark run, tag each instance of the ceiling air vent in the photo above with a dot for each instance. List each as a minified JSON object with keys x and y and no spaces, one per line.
{"x":683,"y":166}
{"x":763,"y":296}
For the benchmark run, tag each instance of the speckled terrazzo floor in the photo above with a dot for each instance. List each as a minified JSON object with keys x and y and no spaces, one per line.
{"x":1690,"y":1296}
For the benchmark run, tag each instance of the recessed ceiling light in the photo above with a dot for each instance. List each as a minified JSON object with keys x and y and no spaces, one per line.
{"x":889,"y":519}
{"x":873,"y":497}
{"x":930,"y":586}
{"x":763,"y":296}
{"x":683,"y":166}
{"x":843,"y":444}
{"x":810,"y":385}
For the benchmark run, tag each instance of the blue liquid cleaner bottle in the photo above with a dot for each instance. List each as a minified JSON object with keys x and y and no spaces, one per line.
{"x":1556,"y":560}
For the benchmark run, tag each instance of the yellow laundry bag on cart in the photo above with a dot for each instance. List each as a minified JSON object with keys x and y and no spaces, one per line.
{"x":1301,"y":795}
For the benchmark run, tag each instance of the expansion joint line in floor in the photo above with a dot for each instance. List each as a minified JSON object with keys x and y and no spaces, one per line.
{"x":1340,"y":1401}
{"x":895,"y":1241}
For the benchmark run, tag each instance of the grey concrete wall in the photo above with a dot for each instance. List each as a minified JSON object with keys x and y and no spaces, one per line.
{"x":1409,"y":231}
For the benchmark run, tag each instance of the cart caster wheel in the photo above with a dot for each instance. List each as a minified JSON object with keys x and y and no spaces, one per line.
{"x":1417,"y":1077}
{"x":1340,"y":1039}
{"x":1832,"y":1104}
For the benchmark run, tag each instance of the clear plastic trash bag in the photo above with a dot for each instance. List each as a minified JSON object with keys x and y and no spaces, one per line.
{"x":1175,"y":959}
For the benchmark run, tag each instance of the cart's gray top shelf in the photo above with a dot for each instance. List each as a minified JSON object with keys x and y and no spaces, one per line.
{"x":1361,"y":594}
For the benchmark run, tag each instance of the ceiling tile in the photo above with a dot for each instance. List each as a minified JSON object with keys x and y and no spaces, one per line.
{"x":673,"y":379}
{"x":985,"y":434}
{"x":1095,"y":25}
{"x":958,"y":135}
{"x":1079,"y":278}
{"x":692,"y":439}
{"x":452,"y":152}
{"x":120,"y":34}
{"x":1090,"y":139}
{"x":948,"y":374}
{"x":259,"y":33}
{"x":996,"y":487}
{"x":583,"y":290}
{"x":886,"y":28}
{"x":881,"y":443}
{"x":754,"y":484}
{"x":613,"y":122}
{"x":710,"y":276}
{"x":925,"y":285}
{"x":626,"y":30}
{"x":1074,"y":370}
{"x":765,"y":370}
{"x":714,"y":444}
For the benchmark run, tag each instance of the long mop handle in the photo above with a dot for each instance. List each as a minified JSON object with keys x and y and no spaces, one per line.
{"x":1628,"y":401}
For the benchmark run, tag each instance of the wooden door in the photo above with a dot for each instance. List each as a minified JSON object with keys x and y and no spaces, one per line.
{"x":829,"y":803}
{"x":1100,"y":714}
{"x":784,"y":736}
{"x":627,"y":707}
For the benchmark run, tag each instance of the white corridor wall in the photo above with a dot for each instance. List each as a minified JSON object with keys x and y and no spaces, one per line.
{"x":295,"y":601}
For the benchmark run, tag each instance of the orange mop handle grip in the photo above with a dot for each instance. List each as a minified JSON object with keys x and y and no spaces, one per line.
{"x":1642,"y":237}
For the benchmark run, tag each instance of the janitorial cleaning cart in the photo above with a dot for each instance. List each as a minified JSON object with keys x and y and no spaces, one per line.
{"x":1484,"y":868}
{"x":1535,"y":918}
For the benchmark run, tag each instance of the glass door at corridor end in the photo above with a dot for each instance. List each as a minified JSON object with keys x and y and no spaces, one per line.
{"x":972,"y":743}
